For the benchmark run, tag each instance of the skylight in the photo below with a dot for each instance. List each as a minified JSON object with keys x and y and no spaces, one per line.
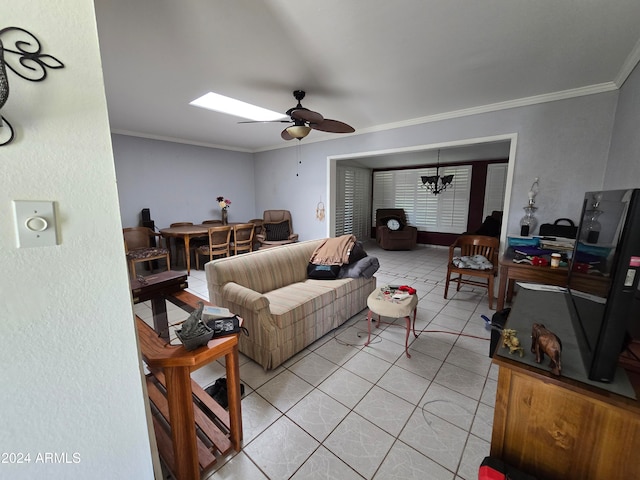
{"x":231,"y":106}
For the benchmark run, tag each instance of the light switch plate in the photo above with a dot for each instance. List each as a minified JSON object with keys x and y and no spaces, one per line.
{"x":35,"y":223}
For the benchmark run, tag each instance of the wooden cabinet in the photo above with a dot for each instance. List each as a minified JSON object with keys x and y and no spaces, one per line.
{"x":555,"y":429}
{"x":562,"y":427}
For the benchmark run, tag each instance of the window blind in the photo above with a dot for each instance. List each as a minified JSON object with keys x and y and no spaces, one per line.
{"x":446,"y":212}
{"x":352,"y":201}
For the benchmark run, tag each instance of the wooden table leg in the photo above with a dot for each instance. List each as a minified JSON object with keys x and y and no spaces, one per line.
{"x":187,"y":254}
{"x":183,"y":430}
{"x":502,"y":288}
{"x":233,"y":397}
{"x":160,"y":320}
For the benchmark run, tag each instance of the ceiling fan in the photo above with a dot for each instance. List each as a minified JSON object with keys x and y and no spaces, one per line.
{"x":305,"y":120}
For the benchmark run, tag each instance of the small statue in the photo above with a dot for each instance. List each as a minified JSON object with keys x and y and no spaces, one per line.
{"x":510,"y":341}
{"x":544,"y":341}
{"x":193,"y":326}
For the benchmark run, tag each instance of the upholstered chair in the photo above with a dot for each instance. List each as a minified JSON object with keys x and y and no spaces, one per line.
{"x":138,"y":248}
{"x":401,"y":236}
{"x":277,"y":229}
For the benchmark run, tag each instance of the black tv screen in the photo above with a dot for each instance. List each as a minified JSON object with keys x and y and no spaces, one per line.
{"x":604,"y":278}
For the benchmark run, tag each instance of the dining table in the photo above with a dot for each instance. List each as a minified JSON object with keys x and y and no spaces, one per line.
{"x":187,"y":232}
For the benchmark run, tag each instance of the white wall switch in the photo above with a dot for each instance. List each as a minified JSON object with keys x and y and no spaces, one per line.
{"x":35,"y":223}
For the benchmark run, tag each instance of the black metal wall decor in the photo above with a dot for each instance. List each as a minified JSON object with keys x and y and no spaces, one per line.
{"x":25,"y":59}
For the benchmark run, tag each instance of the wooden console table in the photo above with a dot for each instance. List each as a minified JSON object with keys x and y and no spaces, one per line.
{"x":510,"y":272}
{"x":182,"y":404}
{"x":559,"y":428}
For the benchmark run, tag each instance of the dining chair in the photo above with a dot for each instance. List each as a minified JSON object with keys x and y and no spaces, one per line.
{"x":257,"y":222}
{"x":219,"y":243}
{"x":478,"y":257}
{"x":138,"y":248}
{"x":243,"y":238}
{"x":212,"y":222}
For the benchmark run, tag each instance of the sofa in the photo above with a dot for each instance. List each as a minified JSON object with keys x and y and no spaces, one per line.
{"x":283,"y":310}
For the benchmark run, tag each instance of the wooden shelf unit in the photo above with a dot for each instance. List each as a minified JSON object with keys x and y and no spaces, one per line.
{"x":190,"y":426}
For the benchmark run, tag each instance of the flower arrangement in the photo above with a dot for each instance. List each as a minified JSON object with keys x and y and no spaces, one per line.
{"x":223,"y":202}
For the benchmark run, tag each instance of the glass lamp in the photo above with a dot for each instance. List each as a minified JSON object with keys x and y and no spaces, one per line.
{"x":529,"y":222}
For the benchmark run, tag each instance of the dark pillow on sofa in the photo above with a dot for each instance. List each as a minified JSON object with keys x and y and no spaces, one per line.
{"x":277,"y":231}
{"x":357,"y":253}
{"x":323,"y":272}
{"x":386,"y":219}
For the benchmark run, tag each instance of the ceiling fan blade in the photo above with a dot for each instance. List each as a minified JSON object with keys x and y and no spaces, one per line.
{"x":332,"y":126}
{"x":306,"y":115}
{"x":285,"y":135}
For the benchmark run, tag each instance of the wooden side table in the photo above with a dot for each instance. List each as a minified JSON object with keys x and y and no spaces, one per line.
{"x":183,"y":404}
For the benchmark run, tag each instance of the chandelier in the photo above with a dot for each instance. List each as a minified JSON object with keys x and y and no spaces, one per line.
{"x":435,"y":183}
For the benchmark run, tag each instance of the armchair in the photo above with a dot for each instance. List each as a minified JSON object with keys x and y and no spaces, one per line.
{"x":277,"y":229}
{"x":404,"y":238}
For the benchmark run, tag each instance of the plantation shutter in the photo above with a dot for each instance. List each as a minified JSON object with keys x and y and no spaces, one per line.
{"x":446,"y":212}
{"x":495,"y":188}
{"x":352,"y":200}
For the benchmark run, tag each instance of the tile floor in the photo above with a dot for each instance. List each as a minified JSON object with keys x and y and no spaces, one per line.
{"x":344,"y":411}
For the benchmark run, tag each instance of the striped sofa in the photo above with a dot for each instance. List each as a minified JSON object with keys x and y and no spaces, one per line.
{"x":283,"y":310}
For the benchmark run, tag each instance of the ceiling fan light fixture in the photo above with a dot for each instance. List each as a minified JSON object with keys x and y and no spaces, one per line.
{"x":298,"y":131}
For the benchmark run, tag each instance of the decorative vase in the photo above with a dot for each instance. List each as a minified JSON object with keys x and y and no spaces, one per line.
{"x":225,"y":220}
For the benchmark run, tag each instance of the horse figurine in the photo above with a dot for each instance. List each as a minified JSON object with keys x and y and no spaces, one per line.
{"x":544,"y":341}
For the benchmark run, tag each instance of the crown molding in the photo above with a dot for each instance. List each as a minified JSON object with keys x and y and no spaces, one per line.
{"x":180,"y":140}
{"x":494,"y":107}
{"x":629,"y":64}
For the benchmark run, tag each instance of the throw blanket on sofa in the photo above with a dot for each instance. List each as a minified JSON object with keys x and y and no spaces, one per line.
{"x":333,"y":251}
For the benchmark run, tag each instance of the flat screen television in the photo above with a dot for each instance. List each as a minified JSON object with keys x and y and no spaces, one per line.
{"x":604,"y":278}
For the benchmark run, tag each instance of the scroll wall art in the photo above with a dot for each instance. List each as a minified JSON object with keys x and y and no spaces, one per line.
{"x":20,"y":53}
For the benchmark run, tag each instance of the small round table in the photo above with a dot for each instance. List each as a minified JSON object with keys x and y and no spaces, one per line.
{"x":386,"y":306}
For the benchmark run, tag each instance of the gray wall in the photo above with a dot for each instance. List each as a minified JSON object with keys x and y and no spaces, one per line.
{"x":565,"y":143}
{"x":180,"y":182}
{"x":623,"y":169}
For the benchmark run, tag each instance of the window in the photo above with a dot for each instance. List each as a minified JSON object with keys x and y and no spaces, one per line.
{"x":352,"y":201}
{"x":446,"y":212}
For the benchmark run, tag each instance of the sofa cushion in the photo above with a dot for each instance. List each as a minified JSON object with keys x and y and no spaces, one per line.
{"x":299,"y":300}
{"x":276,"y":232}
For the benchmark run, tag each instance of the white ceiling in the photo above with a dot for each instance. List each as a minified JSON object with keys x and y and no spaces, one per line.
{"x":373,"y":64}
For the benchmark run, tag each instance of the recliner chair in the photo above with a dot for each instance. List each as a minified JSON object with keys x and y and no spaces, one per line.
{"x":277,"y":229}
{"x":404,"y":238}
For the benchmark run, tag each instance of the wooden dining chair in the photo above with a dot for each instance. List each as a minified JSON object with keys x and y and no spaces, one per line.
{"x":138,"y":248}
{"x":257,"y":222}
{"x":243,"y":238}
{"x":462,"y":263}
{"x":212,"y":222}
{"x":219,"y":243}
